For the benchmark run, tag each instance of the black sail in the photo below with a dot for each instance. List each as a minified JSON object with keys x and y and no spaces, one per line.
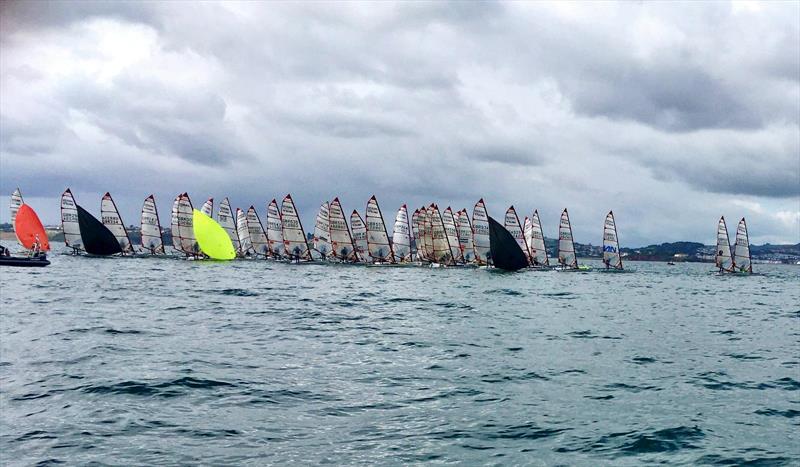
{"x":505,"y":251}
{"x":97,"y":239}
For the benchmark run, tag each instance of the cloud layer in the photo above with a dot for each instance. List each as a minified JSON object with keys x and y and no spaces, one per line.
{"x":670,"y":114}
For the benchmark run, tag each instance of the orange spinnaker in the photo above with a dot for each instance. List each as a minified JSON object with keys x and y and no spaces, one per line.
{"x":28,"y":227}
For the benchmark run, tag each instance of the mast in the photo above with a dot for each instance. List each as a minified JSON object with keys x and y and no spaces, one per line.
{"x":611,"y":253}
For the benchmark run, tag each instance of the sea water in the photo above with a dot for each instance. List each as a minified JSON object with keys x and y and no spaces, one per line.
{"x":164,"y":361}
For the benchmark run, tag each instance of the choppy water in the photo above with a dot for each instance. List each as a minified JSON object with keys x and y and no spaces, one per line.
{"x":147,"y":361}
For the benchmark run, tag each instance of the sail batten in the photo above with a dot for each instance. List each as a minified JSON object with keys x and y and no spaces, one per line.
{"x":480,"y":233}
{"x":741,"y":249}
{"x":566,"y":246}
{"x":152,"y":240}
{"x":378,"y":245}
{"x":611,"y":254}
{"x":109,"y":215}
{"x":724,"y":260}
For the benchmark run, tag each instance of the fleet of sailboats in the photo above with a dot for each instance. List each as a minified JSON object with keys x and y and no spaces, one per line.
{"x":426,"y":236}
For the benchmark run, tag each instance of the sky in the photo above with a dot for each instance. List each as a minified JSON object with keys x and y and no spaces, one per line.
{"x":671,"y":114}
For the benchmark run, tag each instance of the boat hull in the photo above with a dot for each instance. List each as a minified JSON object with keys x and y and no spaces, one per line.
{"x":22,"y":262}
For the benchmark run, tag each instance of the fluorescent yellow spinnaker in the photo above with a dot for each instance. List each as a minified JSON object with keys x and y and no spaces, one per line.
{"x":211,"y":237}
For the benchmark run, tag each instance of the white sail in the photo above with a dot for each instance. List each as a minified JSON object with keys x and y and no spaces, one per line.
{"x":465,"y":237}
{"x":441,"y":246}
{"x":566,"y":246}
{"x":724,"y":260}
{"x":69,"y":221}
{"x":480,"y":232}
{"x":415,"y":235}
{"x":527,"y":233}
{"x":110,"y":217}
{"x":342,"y":247}
{"x":434,"y":219}
{"x":294,"y":237}
{"x":515,"y":228}
{"x":182,"y":226}
{"x":611,"y":256}
{"x":226,"y":220}
{"x":322,"y":231}
{"x":538,"y":249}
{"x":741,"y":249}
{"x":422,"y":235}
{"x":401,"y":236}
{"x":275,"y":230}
{"x":258,"y":238}
{"x":359,"y":236}
{"x":245,"y":243}
{"x":380,"y":250}
{"x":450,"y":231}
{"x":208,"y":208}
{"x":152,"y":241}
{"x":16,"y":202}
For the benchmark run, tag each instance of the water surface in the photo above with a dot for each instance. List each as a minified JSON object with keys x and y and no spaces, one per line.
{"x":151,"y":361}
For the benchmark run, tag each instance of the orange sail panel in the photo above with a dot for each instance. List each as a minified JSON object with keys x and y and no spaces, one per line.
{"x":29,"y":228}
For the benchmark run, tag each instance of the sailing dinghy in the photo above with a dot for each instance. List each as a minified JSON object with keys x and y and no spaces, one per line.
{"x":342,"y":247}
{"x":69,"y":222}
{"x":723,"y":260}
{"x":380,"y":250}
{"x":401,"y":236}
{"x":415,"y":236}
{"x":212,"y":239}
{"x":109,"y":214}
{"x":322,"y":232}
{"x":227,"y":221}
{"x":480,"y":233}
{"x":514,"y":227}
{"x":183,"y":238}
{"x":245,"y":242}
{"x":442,"y":254}
{"x":97,"y":239}
{"x":538,"y":250}
{"x":611,"y":255}
{"x":294,"y":237}
{"x":741,"y":249}
{"x":152,"y":240}
{"x":505,"y":251}
{"x":275,"y":230}
{"x":208,"y":208}
{"x":451,"y":232}
{"x":27,"y":227}
{"x":258,"y":238}
{"x":567,"y":259}
{"x":359,"y":236}
{"x":464,"y":229}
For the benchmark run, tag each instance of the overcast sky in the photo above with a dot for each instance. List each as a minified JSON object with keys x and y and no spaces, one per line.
{"x":670,"y":114}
